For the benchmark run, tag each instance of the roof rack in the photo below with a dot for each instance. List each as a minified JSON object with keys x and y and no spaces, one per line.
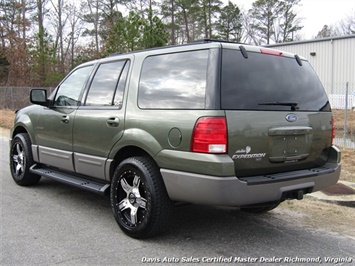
{"x":114,"y":54}
{"x":214,"y":40}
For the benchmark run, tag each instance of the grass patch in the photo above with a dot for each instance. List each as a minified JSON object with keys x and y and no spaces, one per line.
{"x":7,"y":118}
{"x":318,"y":215}
{"x":348,"y":166}
{"x":339,"y":116}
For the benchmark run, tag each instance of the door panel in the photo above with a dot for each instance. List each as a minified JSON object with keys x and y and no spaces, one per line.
{"x":55,"y":124}
{"x":99,"y":124}
{"x":55,"y":157}
{"x":90,"y":165}
{"x":96,"y":131}
{"x":54,"y":137}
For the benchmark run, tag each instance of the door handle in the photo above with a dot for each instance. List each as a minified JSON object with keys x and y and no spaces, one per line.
{"x":65,"y":119}
{"x":113,"y":122}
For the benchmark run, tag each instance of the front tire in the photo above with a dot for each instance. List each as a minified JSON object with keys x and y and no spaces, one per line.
{"x":139,"y":201}
{"x":21,"y":160}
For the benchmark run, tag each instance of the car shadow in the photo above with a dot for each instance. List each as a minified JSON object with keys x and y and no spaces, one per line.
{"x":190,"y":222}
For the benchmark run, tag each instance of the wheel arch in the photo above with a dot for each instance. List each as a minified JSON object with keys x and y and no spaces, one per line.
{"x":19,"y":129}
{"x":24,"y":124}
{"x":127,"y":152}
{"x":134,"y":142}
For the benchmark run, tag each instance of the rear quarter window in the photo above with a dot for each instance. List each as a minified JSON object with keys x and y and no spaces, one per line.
{"x":266,"y":82}
{"x":174,"y":81}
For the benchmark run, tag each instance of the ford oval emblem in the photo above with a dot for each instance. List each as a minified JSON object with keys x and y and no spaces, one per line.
{"x":291,"y":118}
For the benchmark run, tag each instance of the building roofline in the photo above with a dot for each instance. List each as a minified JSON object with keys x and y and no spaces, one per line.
{"x":312,"y":41}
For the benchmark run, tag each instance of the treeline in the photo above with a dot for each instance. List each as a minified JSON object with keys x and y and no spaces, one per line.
{"x":41,"y":40}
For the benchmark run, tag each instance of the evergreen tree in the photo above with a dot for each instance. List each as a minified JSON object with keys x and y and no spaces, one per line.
{"x":43,"y":61}
{"x":290,"y":24}
{"x":132,"y":31}
{"x":264,"y":14}
{"x":154,"y":34}
{"x":185,"y":18}
{"x":207,"y":11}
{"x":168,"y":12}
{"x":229,"y":25}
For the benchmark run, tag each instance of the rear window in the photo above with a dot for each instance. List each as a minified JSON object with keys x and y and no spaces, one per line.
{"x":268,"y":82}
{"x":174,"y":81}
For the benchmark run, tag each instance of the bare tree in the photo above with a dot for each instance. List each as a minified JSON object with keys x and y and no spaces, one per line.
{"x":327,"y":31}
{"x":91,"y":15}
{"x":250,"y":34}
{"x":59,"y":19}
{"x":347,"y":25}
{"x":76,"y":27}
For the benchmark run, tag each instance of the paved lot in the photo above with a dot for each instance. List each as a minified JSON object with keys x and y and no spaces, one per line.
{"x":54,"y":224}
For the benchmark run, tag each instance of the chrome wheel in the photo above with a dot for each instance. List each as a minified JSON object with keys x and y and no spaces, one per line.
{"x":21,"y":160}
{"x":133,"y":205}
{"x":139,"y":201}
{"x":18,"y":158}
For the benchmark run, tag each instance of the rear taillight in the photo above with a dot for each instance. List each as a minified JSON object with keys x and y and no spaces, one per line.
{"x":210,"y":135}
{"x":333,"y":130}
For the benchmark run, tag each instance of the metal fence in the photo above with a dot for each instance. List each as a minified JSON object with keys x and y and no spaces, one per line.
{"x":338,"y":101}
{"x":342,"y":96}
{"x":17,"y":97}
{"x":342,"y":99}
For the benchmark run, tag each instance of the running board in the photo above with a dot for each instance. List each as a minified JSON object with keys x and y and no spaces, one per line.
{"x":101,"y":188}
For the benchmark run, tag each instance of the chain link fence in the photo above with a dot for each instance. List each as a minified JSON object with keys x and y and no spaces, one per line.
{"x":341,"y":96}
{"x":14,"y":98}
{"x":340,"y":93}
{"x":342,"y":99}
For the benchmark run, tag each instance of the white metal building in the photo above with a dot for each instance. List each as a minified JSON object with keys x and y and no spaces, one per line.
{"x":334,"y":61}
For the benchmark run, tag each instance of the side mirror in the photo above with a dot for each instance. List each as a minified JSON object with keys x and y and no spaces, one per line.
{"x":39,"y":96}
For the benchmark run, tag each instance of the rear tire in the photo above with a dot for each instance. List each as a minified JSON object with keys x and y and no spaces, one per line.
{"x":139,"y":201}
{"x":21,"y":160}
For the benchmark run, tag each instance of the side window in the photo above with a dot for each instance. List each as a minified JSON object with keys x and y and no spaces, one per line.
{"x":107,"y":78}
{"x":174,"y":81}
{"x":69,"y":91}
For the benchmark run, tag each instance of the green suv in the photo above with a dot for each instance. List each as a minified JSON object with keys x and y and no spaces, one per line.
{"x":212,"y":123}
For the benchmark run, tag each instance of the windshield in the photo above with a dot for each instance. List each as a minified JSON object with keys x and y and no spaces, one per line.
{"x":268,"y":82}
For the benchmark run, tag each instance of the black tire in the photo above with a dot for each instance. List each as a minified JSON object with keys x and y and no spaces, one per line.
{"x":21,"y":160}
{"x":139,"y":201}
{"x":260,"y":209}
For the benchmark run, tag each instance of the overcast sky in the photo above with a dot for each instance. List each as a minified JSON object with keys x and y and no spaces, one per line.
{"x":315,"y":13}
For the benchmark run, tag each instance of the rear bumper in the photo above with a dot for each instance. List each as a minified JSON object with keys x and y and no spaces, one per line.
{"x":231,"y":191}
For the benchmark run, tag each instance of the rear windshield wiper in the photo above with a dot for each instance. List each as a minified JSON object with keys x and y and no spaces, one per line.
{"x":293,"y":105}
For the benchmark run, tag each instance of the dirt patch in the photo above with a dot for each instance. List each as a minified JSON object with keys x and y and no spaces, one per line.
{"x":7,"y":118}
{"x":317,"y":215}
{"x":339,"y":189}
{"x":339,"y":116}
{"x":348,"y":166}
